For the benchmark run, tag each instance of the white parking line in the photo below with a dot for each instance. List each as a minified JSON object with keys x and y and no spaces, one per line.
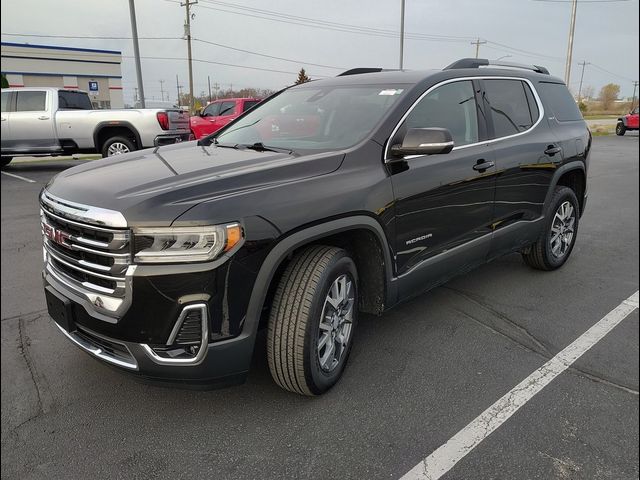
{"x":446,"y":456}
{"x":18,"y":177}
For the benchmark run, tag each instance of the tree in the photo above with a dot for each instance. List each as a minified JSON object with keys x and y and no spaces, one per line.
{"x":588,"y":92}
{"x":302,"y":77}
{"x":608,"y":95}
{"x":5,"y":82}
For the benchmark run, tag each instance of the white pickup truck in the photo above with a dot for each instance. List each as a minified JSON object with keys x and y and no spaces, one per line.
{"x":55,"y":121}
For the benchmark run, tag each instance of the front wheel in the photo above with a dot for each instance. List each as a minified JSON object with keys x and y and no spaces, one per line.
{"x":553,"y":247}
{"x":313,"y":320}
{"x":117,"y":146}
{"x":620,"y":129}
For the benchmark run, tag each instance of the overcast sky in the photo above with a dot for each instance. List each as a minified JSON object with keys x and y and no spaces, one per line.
{"x":530,"y":31}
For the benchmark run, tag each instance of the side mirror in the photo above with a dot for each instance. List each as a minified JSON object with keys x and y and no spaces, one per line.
{"x":424,"y":141}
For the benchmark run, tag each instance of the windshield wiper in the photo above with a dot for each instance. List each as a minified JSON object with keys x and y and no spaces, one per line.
{"x":261,"y":147}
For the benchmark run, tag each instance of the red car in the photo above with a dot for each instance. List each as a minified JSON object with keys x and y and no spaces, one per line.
{"x":628,"y":122}
{"x":218,"y":113}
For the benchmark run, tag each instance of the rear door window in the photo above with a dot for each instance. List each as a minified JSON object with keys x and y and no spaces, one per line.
{"x":250,"y":103}
{"x":227,"y":108}
{"x":557,"y":98}
{"x":69,"y":100}
{"x":31,"y":102}
{"x":512,"y":109}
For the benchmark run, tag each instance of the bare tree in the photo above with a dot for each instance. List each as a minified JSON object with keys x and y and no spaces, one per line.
{"x":608,"y":95}
{"x":588,"y":92}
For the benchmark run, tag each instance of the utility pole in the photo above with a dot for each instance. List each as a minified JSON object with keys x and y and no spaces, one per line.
{"x":477,"y":43}
{"x":162,"y":89}
{"x":633,"y":99}
{"x":187,"y":28}
{"x":572,"y":29}
{"x":135,"y":96}
{"x":584,"y":64}
{"x":209,"y":83}
{"x":136,"y":50}
{"x":216,"y":87}
{"x":178,"y":90}
{"x":401,"y":33}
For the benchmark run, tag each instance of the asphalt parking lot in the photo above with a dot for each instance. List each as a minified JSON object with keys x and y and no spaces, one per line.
{"x":417,"y":375}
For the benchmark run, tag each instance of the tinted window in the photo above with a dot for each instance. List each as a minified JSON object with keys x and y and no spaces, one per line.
{"x":212,"y":110}
{"x":250,"y":103}
{"x":451,"y":106}
{"x":31,"y":102}
{"x":5,"y":101}
{"x":557,"y":98}
{"x":227,"y":108}
{"x":69,"y":100}
{"x":510,"y":107}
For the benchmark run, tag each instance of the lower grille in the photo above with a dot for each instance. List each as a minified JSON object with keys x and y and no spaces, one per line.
{"x":190,"y":332}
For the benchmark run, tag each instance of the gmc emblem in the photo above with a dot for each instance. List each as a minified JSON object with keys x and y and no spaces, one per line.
{"x":54,"y":235}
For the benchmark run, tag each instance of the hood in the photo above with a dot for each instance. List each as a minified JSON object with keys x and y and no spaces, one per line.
{"x":155,"y":186}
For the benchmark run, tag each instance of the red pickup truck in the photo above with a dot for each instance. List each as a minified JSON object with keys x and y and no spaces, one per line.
{"x":628,"y":122}
{"x":218,"y":113}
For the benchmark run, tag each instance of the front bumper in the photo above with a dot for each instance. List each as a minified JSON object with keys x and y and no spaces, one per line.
{"x":122,"y":344}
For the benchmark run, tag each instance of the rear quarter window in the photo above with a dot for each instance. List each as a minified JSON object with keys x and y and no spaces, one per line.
{"x":556,"y":97}
{"x":69,"y":100}
{"x":249,"y":104}
{"x":513,"y":109}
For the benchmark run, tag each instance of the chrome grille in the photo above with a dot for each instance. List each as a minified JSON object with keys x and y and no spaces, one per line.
{"x":89,"y":257}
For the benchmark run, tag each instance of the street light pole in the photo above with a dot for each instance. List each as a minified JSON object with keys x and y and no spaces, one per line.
{"x":572,"y":29}
{"x":136,"y":50}
{"x":401,"y":33}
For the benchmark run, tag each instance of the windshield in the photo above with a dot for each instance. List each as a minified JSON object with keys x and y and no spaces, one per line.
{"x":314,"y":118}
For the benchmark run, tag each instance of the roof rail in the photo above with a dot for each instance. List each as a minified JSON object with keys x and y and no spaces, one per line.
{"x":483,"y":62}
{"x":356,"y":71}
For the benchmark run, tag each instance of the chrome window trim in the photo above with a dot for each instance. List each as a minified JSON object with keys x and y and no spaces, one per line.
{"x":541,"y":113}
{"x":204,"y":343}
{"x":83,"y":213}
{"x":97,"y":351}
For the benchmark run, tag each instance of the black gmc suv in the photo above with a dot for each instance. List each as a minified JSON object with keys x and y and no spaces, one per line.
{"x":330,"y":198}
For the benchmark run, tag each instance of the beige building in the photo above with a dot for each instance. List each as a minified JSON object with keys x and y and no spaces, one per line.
{"x":98,"y":72}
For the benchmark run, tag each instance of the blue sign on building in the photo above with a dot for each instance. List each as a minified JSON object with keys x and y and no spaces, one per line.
{"x":93,"y":86}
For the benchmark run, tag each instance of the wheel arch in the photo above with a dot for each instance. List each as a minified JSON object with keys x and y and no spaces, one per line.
{"x":359,"y":234}
{"x":572,"y":175}
{"x":103,"y":131}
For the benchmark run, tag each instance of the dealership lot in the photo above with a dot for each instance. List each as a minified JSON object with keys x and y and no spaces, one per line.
{"x":417,"y":375}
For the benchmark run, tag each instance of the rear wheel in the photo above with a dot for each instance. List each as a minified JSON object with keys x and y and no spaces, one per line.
{"x":553,"y":247}
{"x":313,"y":319}
{"x":620,"y":129}
{"x":6,"y":161}
{"x":117,"y":146}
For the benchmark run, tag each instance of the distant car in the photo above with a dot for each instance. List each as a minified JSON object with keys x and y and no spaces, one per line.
{"x":628,"y":122}
{"x":219,"y":113}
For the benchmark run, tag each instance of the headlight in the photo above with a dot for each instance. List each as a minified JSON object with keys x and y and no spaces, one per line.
{"x":184,"y":244}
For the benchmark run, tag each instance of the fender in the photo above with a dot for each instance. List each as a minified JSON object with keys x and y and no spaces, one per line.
{"x":289,"y":243}
{"x":624,"y":120}
{"x":575,"y":165}
{"x":116,"y":123}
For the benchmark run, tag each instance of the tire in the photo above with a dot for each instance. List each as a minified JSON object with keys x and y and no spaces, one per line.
{"x":545,"y":253}
{"x":620,"y":129}
{"x":6,"y":161}
{"x":302,"y":316}
{"x":118,"y":146}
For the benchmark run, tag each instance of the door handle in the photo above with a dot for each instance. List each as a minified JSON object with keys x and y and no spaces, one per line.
{"x":43,"y":117}
{"x":481,"y":165}
{"x":552,"y":150}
